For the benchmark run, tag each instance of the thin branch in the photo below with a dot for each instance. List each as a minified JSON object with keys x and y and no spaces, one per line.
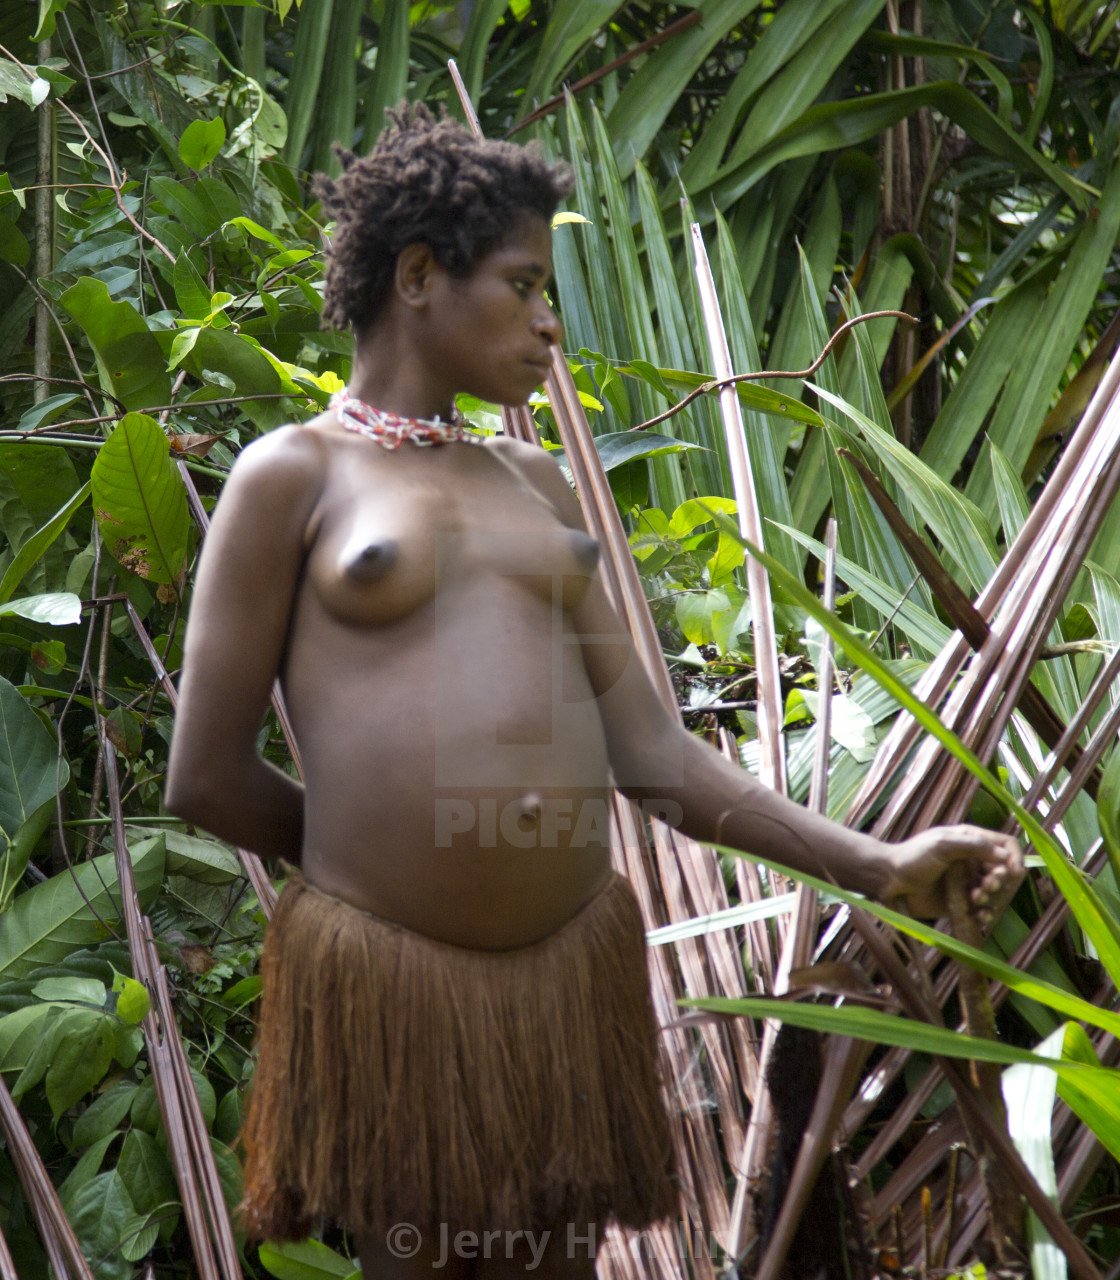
{"x":717,"y":384}
{"x":39,"y":377}
{"x":105,"y":158}
{"x":165,"y":408}
{"x":87,"y":387}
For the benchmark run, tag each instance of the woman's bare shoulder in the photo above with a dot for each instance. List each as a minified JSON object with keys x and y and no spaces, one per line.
{"x":541,"y":471}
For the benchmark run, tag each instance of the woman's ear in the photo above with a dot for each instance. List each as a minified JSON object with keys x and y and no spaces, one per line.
{"x":416,"y":267}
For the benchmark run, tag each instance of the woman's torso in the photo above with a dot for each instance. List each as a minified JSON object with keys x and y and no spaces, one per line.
{"x":455,"y":763}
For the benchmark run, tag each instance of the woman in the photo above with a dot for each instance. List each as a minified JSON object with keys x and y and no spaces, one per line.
{"x":457,"y":1032}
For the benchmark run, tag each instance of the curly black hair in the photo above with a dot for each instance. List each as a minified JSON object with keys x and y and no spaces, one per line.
{"x":426,"y":181}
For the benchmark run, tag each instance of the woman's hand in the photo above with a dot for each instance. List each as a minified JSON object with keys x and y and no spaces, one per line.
{"x":917,"y":869}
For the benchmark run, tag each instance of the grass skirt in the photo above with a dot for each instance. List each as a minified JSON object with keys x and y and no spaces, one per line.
{"x":402,"y":1079}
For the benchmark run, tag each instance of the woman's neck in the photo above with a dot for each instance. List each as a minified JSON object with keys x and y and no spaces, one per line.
{"x":388,"y":375}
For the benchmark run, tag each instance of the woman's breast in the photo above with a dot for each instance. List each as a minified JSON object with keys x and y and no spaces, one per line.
{"x":375,"y":559}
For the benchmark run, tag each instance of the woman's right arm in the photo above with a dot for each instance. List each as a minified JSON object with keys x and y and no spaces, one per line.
{"x":239,"y":616}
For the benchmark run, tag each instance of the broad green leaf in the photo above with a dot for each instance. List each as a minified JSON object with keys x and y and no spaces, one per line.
{"x":616,"y":448}
{"x":692,"y":514}
{"x":129,"y":360}
{"x":145,"y":1171}
{"x":38,"y":543}
{"x":201,"y":142}
{"x":139,"y":1235}
{"x":127,"y":1043}
{"x":81,"y":990}
{"x":205,"y":861}
{"x":86,"y":1169}
{"x":83,"y":1056}
{"x":48,"y":11}
{"x":243,"y":363}
{"x":191,"y":293}
{"x":98,"y":1212}
{"x":305,"y":1260}
{"x":849,"y":724}
{"x":29,"y":764}
{"x":55,"y":608}
{"x":46,"y":410}
{"x":47,"y":922}
{"x":140,"y":500}
{"x":21,"y":1032}
{"x":229,"y":1174}
{"x":104,"y":1113}
{"x":133,"y":1001}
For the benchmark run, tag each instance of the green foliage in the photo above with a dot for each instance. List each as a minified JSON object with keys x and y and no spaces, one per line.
{"x":185,"y":270}
{"x":140,"y":500}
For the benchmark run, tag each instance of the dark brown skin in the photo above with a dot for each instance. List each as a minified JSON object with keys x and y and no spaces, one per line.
{"x":447,"y":652}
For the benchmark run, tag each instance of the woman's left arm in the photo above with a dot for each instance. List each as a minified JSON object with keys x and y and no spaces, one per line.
{"x":659,"y":764}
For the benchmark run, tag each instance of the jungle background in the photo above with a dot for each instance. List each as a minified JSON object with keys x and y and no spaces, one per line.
{"x":161,"y":277}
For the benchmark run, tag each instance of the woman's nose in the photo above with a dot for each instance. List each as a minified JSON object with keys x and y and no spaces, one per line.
{"x":547,"y":323}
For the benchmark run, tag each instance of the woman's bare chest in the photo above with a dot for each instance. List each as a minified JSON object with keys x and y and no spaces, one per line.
{"x":385,"y":540}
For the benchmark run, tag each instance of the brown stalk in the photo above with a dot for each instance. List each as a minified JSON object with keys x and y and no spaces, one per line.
{"x":1007,"y":672}
{"x":1036,"y":942}
{"x":192,"y":1157}
{"x":7,"y":1266}
{"x":682,"y":864}
{"x":1004,"y":1209}
{"x":1075,"y":471}
{"x":55,"y":1231}
{"x":962,"y":613}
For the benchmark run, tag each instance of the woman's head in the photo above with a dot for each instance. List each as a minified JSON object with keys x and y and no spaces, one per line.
{"x":426,"y":181}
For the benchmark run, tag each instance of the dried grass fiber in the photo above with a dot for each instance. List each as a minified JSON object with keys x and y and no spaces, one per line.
{"x":402,"y":1079}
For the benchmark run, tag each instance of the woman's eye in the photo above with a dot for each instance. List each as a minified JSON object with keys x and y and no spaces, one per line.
{"x":523,"y":287}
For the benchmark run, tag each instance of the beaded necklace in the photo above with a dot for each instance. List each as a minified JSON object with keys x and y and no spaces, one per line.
{"x":390,"y":430}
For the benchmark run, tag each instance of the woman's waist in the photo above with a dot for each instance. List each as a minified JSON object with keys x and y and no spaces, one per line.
{"x":486,"y":898}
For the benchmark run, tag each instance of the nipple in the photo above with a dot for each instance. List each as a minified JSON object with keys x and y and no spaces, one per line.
{"x":372,"y":561}
{"x":586,"y":549}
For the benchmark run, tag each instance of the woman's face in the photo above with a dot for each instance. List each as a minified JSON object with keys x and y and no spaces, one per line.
{"x":490,"y":333}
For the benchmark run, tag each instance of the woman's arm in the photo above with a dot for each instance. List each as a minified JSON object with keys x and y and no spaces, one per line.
{"x":669,"y":771}
{"x":238,"y":624}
